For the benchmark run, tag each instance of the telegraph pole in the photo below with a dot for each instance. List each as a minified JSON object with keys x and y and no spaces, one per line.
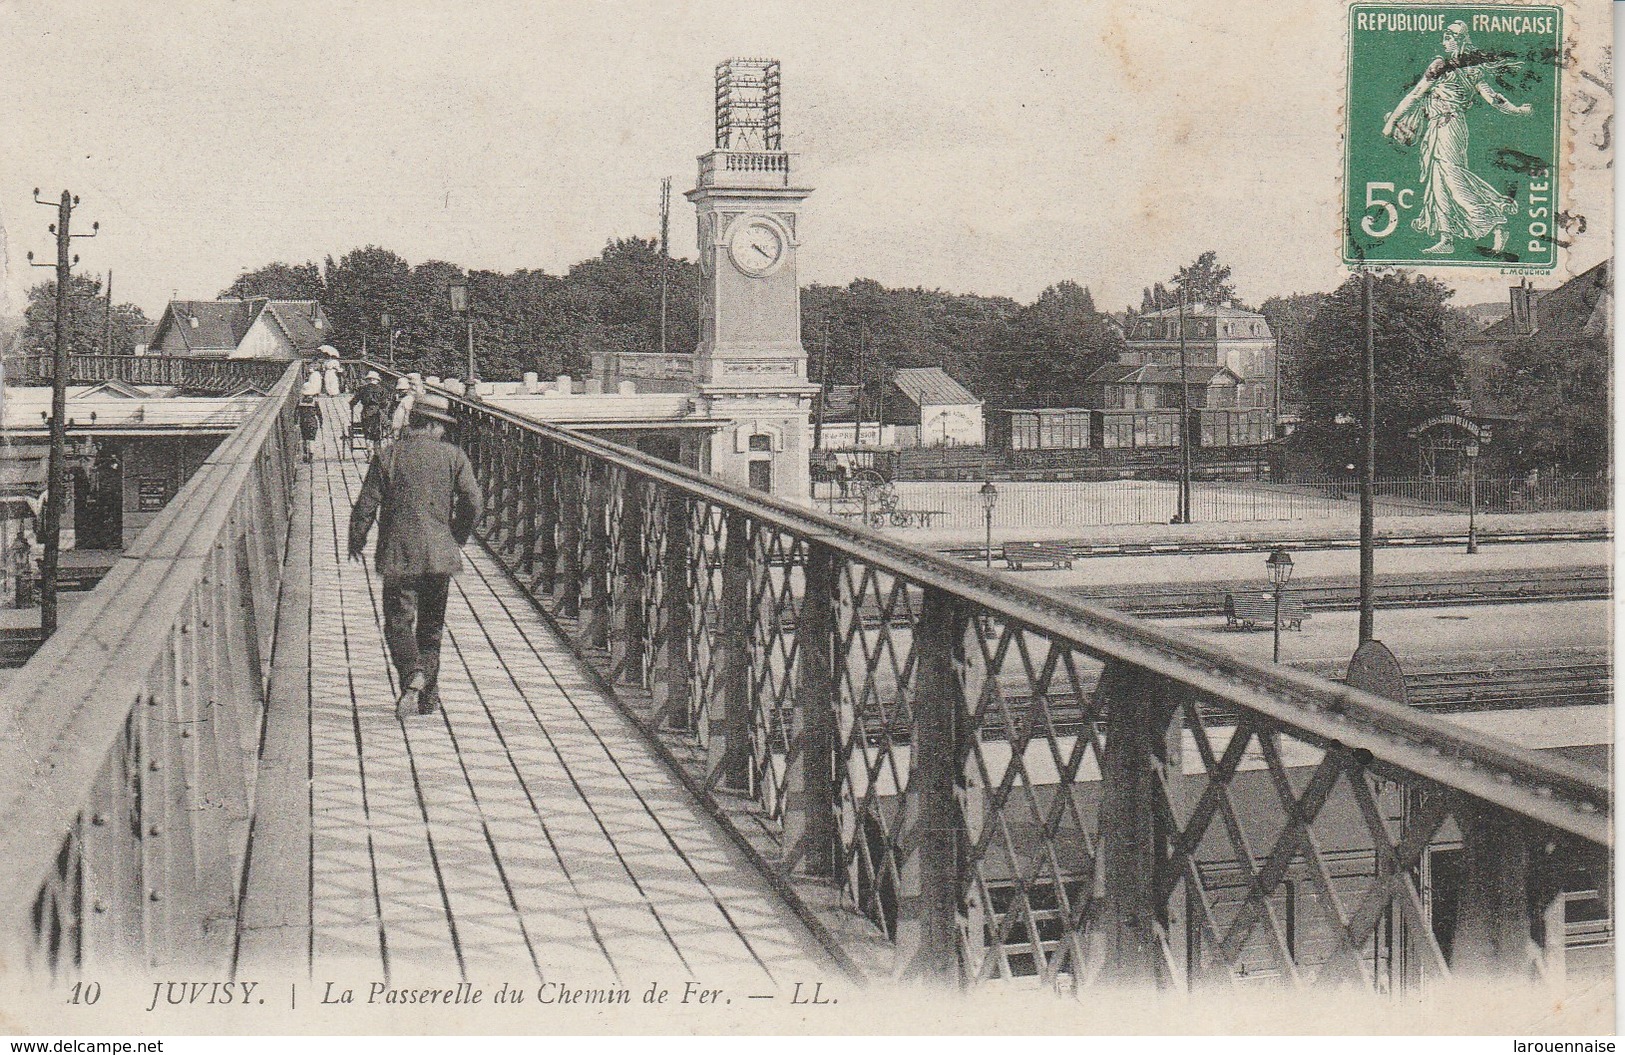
{"x":107,"y":317}
{"x":665,"y":254}
{"x":1184,"y":421}
{"x":57,"y":469}
{"x":1368,"y":470}
{"x":823,"y":389}
{"x":863,"y":339}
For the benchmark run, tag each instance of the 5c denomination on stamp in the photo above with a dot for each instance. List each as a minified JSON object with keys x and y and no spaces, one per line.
{"x":1452,"y":135}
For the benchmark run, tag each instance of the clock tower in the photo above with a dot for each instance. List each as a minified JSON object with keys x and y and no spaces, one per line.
{"x":750,"y":367}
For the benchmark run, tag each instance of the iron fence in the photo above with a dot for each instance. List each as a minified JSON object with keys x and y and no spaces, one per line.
{"x":211,"y":375}
{"x":1425,"y":495}
{"x":132,"y":735}
{"x":1008,"y":783}
{"x":1076,"y":503}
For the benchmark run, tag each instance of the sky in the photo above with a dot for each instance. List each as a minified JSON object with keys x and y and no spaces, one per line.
{"x":992,"y":148}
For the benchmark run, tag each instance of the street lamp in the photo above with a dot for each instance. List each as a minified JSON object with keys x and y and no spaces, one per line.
{"x":1279,"y":566}
{"x":1471,"y":451}
{"x":383,"y":323}
{"x":462,"y":300}
{"x":990,"y":498}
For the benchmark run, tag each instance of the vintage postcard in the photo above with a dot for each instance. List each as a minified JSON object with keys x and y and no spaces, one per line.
{"x":818,"y":518}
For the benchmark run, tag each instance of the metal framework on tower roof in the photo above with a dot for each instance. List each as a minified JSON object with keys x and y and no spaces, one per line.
{"x":748,"y":105}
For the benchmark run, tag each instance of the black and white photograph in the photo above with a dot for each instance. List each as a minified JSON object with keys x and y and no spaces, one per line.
{"x":629,"y":518}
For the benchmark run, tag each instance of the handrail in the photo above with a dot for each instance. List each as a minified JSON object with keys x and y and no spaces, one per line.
{"x":1550,"y":789}
{"x":197,"y":372}
{"x":97,"y":790}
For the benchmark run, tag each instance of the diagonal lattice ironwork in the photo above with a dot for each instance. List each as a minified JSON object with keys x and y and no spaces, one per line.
{"x":777,"y":588}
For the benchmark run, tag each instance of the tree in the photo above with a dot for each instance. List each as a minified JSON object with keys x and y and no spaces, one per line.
{"x":1204,"y":281}
{"x":1060,"y":340}
{"x":87,"y":313}
{"x":1563,"y":390}
{"x":1155,"y":297}
{"x":1418,"y":367}
{"x":363,"y":286}
{"x":279,"y":281}
{"x":1288,"y":318}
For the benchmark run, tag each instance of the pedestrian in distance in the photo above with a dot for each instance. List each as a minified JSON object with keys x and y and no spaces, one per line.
{"x":332,"y":371}
{"x":422,"y":492}
{"x":374,"y":404}
{"x":310,"y":422}
{"x":401,"y":408}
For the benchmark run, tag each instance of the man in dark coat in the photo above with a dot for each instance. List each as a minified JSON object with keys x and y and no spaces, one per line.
{"x":423,"y":493}
{"x":375,"y":404}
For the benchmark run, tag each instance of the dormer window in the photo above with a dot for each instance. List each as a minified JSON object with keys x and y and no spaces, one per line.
{"x":192,"y":319}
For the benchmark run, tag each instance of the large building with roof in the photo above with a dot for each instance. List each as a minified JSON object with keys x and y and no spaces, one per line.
{"x":256,"y":328}
{"x":1214,"y":335}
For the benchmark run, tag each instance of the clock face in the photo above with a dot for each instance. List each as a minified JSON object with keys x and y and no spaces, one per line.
{"x":757,"y":247}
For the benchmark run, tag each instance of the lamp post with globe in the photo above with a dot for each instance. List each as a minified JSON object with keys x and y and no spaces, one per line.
{"x":990,"y":498}
{"x":1279,"y":565}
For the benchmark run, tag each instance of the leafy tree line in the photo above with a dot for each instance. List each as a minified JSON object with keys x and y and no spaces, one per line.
{"x":530,"y":320}
{"x":1006,"y":351}
{"x":524,"y":320}
{"x":87,"y":317}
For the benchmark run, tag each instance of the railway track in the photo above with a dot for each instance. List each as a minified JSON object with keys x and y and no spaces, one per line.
{"x":1165,"y":548}
{"x":1175,"y":600}
{"x":1467,"y":686}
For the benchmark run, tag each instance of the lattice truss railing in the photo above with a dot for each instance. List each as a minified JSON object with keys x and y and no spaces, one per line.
{"x":1010,"y":785}
{"x":132,"y":736}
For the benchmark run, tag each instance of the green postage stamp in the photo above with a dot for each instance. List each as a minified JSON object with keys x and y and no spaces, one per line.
{"x":1452,"y":135}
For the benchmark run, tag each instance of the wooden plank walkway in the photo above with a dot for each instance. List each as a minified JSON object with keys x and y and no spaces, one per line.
{"x":527,"y":826}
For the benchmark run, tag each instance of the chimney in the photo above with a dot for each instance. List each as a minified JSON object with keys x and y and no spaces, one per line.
{"x":1524,"y":321}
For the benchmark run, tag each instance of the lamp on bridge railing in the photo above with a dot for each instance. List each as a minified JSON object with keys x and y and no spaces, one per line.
{"x":990,"y":498}
{"x":461,"y":294}
{"x":1279,"y":565}
{"x":383,"y":324}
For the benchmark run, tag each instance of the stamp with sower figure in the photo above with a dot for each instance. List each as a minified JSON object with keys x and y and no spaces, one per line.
{"x":1452,"y":136}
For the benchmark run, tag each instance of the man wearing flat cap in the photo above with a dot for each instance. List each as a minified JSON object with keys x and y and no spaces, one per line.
{"x":423,"y":494}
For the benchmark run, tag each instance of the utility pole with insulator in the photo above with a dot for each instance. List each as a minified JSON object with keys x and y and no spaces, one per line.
{"x":57,"y":468}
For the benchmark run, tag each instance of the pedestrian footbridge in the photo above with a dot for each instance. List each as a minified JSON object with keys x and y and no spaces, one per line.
{"x":692,"y":729}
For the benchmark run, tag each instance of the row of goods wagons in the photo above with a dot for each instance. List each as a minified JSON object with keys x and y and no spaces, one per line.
{"x":1091,"y":429}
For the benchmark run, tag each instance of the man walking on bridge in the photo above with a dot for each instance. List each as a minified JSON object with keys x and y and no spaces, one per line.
{"x":423,"y":493}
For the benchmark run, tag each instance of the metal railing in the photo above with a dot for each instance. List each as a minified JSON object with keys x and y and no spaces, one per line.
{"x":130,"y":741}
{"x":1425,"y":495}
{"x":1008,"y":783}
{"x":212,"y":375}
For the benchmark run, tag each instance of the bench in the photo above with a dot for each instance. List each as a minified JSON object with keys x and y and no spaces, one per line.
{"x":1245,"y":611}
{"x":1018,"y":555}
